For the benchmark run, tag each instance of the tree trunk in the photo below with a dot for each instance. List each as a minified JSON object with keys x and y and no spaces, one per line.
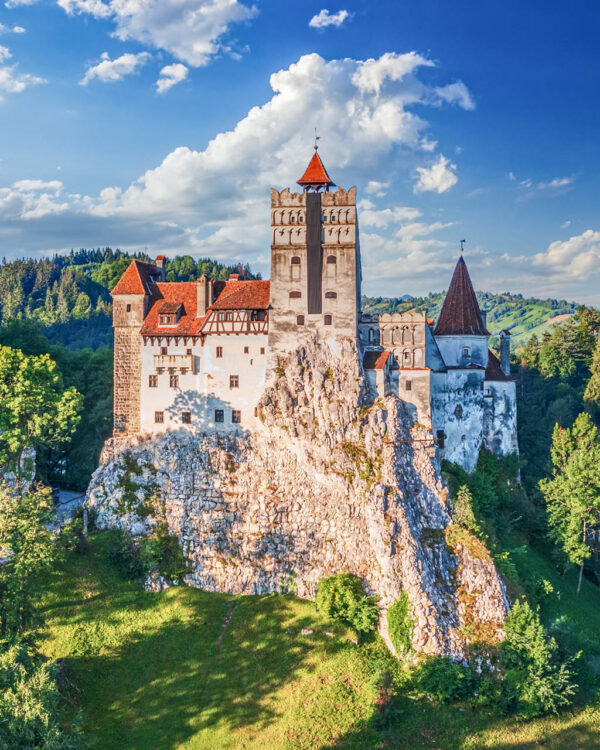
{"x":580,"y":577}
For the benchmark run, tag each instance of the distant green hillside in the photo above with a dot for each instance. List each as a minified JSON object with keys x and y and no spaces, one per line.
{"x":520,"y":315}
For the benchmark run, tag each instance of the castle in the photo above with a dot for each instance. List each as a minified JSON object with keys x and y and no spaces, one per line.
{"x":196,"y":356}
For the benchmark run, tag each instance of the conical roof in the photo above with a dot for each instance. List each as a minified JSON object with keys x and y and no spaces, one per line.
{"x":460,"y":314}
{"x":316,"y":175}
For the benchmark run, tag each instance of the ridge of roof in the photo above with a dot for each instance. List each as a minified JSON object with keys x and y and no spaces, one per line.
{"x":460,"y":313}
{"x":315,"y":173}
{"x":136,"y":278}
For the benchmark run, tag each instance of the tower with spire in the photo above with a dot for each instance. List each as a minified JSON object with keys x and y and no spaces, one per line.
{"x":315,"y":261}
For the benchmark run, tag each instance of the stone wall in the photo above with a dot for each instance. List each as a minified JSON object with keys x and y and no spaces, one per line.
{"x":331,"y":481}
{"x":128,"y":316}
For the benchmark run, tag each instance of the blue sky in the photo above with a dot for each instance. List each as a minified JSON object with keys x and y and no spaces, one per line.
{"x":161,"y":125}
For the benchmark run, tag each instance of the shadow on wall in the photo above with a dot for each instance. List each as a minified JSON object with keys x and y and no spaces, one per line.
{"x":206,"y":413}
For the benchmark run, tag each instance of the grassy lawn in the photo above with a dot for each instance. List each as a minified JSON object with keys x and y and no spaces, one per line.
{"x":188,"y":669}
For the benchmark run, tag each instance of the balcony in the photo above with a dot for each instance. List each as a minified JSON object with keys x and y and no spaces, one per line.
{"x":181,"y":362}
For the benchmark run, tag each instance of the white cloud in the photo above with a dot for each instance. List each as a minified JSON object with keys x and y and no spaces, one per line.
{"x":427,"y":145}
{"x":17,"y":3}
{"x":376,"y":188}
{"x":371,"y":74}
{"x":4,"y":53}
{"x":576,"y":258}
{"x":31,"y":199}
{"x":531,"y":189}
{"x":324,"y":18}
{"x":456,"y":93}
{"x":557,"y":182}
{"x":108,"y":70}
{"x":169,"y":76}
{"x":566,"y":224}
{"x":437,"y":178}
{"x":370,"y":217}
{"x":11,"y":29}
{"x":11,"y":81}
{"x":511,"y":176}
{"x":191,"y":30}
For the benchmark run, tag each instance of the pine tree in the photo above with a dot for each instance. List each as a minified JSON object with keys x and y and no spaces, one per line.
{"x":592,"y":390}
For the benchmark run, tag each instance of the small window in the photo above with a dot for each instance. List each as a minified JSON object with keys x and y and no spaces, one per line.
{"x":330,"y":295}
{"x":458,"y":411}
{"x":246,"y":350}
{"x":300,"y":320}
{"x":186,"y":417}
{"x":440,"y":438}
{"x":188,"y":351}
{"x":295,"y":260}
{"x":293,"y":219}
{"x":153,"y":381}
{"x":219,"y":352}
{"x":167,"y":320}
{"x":256,"y":411}
{"x":408,"y":385}
{"x":407,"y":355}
{"x":234,"y":381}
{"x":262,"y":349}
{"x":159,"y":417}
{"x":173,"y":381}
{"x":295,"y":295}
{"x":164,"y":350}
{"x":328,"y":320}
{"x":219,"y":415}
{"x":228,"y":316}
{"x":236,"y":416}
{"x":466,"y":351}
{"x":128,"y":308}
{"x":331,"y":259}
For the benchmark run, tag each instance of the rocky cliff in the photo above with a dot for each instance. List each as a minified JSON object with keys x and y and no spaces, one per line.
{"x":332,"y":481}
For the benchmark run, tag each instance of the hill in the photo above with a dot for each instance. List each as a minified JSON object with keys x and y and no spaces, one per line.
{"x":522,"y":316}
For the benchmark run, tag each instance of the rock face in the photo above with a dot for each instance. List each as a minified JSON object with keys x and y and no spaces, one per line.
{"x":332,"y":481}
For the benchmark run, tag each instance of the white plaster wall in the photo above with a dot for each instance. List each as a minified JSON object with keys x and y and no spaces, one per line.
{"x":500,"y":419}
{"x":208,"y":389}
{"x":451,"y":348}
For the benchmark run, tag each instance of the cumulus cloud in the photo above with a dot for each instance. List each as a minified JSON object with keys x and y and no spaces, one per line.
{"x":193,"y":31}
{"x":456,"y":93}
{"x":372,"y":217}
{"x":324,"y":18}
{"x":108,"y":70}
{"x":437,"y":178}
{"x":11,"y":81}
{"x":576,"y":258}
{"x":376,"y":188}
{"x":169,"y":76}
{"x":31,"y":199}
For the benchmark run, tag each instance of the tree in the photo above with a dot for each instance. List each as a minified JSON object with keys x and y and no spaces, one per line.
{"x":592,"y":390}
{"x":573,"y":493}
{"x":35,"y":410}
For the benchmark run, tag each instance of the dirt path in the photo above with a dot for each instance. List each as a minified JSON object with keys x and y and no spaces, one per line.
{"x":226,"y":620}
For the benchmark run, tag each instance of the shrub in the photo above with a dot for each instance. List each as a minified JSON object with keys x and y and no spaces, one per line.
{"x":162,"y":551}
{"x":125,"y":556}
{"x":341,"y":597}
{"x":401,"y":624}
{"x":462,"y":511}
{"x":443,"y":679}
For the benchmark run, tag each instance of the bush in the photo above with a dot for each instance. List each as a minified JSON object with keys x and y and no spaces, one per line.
{"x":401,"y":624}
{"x":443,"y":679}
{"x":341,"y":597}
{"x":162,"y":551}
{"x":125,"y":556}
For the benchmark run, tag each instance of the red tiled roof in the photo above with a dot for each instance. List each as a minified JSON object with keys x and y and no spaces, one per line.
{"x":231,"y":295}
{"x":376,"y":360}
{"x":137,"y":279}
{"x":460,"y":314}
{"x":315,"y":173}
{"x":493,"y":370}
{"x":169,"y":307}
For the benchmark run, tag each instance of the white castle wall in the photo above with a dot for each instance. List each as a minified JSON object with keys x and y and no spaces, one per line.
{"x":500,"y":417}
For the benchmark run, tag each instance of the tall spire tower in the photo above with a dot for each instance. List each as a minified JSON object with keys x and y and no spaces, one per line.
{"x":315,"y":261}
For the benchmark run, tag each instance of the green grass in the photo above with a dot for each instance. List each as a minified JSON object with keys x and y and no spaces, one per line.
{"x":194,"y":670}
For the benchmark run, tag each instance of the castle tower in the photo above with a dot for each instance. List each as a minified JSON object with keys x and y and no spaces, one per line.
{"x":315,"y":262}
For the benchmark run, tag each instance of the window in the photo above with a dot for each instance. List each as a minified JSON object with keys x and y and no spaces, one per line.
{"x":236,"y":416}
{"x":407,"y":356}
{"x":331,"y":259}
{"x":153,"y":381}
{"x":234,"y":381}
{"x":226,"y":315}
{"x":408,"y":385}
{"x":188,"y":351}
{"x":173,"y":381}
{"x":219,"y":352}
{"x":256,"y":411}
{"x":219,"y":415}
{"x":293,"y":219}
{"x":159,"y":417}
{"x":167,"y":320}
{"x":300,"y":320}
{"x":466,"y":351}
{"x":328,"y":320}
{"x":295,"y":295}
{"x":262,"y":349}
{"x":440,"y":438}
{"x":246,"y":350}
{"x":186,"y":417}
{"x":458,"y":412}
{"x":295,"y":260}
{"x":164,"y":350}
{"x":330,"y":295}
{"x":128,"y":308}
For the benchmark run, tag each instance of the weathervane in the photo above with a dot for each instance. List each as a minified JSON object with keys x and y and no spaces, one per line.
{"x":317,"y":138}
{"x":462,"y":246}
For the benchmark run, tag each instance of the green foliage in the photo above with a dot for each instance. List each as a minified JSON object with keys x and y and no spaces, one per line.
{"x":162,"y":551}
{"x":341,"y":597}
{"x":30,"y":702}
{"x":30,"y":549}
{"x":443,"y":679}
{"x":573,"y":493}
{"x":534,"y":681}
{"x":462,"y":510}
{"x":592,"y":389}
{"x":401,"y":624}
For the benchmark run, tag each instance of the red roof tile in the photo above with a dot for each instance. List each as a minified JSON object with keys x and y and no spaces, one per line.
{"x":137,"y":279}
{"x":376,"y":360}
{"x":243,"y":295}
{"x":316,"y":174}
{"x":493,"y":370}
{"x":169,"y":307}
{"x":460,"y":314}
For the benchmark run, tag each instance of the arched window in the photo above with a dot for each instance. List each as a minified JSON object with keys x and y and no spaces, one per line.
{"x":328,"y":320}
{"x":293,"y":219}
{"x":371,"y":335}
{"x":295,"y":295}
{"x":330,"y":295}
{"x":295,"y":260}
{"x":331,"y":259}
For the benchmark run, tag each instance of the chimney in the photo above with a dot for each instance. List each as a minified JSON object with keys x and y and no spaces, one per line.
{"x":203,"y":302}
{"x":234,"y":277}
{"x":484,"y":318}
{"x":161,"y":264}
{"x":505,"y":352}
